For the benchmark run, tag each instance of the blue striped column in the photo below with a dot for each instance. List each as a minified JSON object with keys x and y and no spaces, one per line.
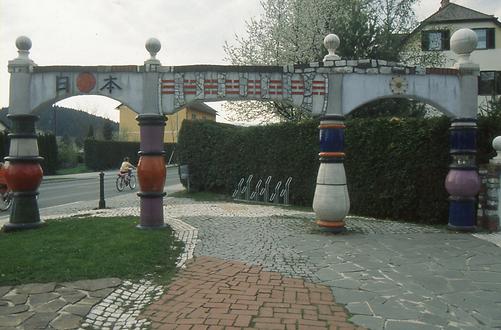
{"x":331,"y":202}
{"x":462,"y":182}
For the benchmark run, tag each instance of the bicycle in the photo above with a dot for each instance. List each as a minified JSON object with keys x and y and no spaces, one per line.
{"x":6,"y":197}
{"x":126,"y":180}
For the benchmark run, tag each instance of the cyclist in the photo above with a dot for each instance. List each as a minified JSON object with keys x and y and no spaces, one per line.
{"x":126,"y":168}
{"x":3,"y":182}
{"x":5,"y":192}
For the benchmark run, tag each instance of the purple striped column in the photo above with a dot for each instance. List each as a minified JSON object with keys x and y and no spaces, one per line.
{"x":151,"y":171}
{"x":463,"y":182}
{"x":331,"y":202}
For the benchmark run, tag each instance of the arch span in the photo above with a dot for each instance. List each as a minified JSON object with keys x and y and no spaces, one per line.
{"x":52,"y":84}
{"x":362,"y":89}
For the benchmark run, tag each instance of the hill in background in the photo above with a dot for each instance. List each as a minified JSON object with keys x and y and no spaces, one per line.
{"x":65,"y":121}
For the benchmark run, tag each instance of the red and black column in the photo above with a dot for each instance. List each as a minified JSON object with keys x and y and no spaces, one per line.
{"x":23,"y":173}
{"x":151,"y":170}
{"x":463,"y":181}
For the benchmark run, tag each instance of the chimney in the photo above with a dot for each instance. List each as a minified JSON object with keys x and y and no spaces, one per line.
{"x":443,"y":3}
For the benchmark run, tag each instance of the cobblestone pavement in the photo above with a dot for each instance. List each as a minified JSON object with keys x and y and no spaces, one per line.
{"x":389,"y":275}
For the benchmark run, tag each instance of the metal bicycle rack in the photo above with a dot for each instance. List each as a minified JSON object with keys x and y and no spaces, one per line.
{"x":262,"y":194}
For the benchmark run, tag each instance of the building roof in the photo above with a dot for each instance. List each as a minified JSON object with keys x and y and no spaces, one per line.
{"x":4,"y":125}
{"x":452,"y":12}
{"x":201,"y":107}
{"x":195,"y":106}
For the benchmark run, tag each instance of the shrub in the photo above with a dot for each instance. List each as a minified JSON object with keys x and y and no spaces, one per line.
{"x":104,"y":155}
{"x":47,"y":148}
{"x":395,"y":167}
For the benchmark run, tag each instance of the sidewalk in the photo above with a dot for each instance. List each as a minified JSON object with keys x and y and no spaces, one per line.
{"x":255,"y":266}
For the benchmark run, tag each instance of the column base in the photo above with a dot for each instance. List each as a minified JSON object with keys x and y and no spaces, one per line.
{"x":10,"y":227}
{"x":462,"y":214}
{"x":461,"y":228}
{"x":336,"y":226}
{"x":152,"y":210}
{"x":24,"y":212}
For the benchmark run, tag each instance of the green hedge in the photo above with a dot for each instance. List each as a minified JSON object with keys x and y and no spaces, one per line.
{"x":395,"y":167}
{"x":219,"y":155}
{"x":104,"y":155}
{"x":47,"y":146}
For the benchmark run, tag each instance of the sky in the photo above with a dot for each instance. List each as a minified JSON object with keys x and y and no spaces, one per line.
{"x":106,"y":32}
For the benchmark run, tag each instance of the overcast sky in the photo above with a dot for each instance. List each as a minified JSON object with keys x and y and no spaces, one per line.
{"x":93,"y":32}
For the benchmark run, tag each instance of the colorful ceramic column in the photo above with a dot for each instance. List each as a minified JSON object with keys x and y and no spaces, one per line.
{"x":463,"y":181}
{"x":23,"y":173}
{"x":331,"y":202}
{"x":151,"y":170}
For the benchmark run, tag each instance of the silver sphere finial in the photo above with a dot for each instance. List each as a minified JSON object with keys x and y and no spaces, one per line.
{"x":496,"y":144}
{"x":463,"y":42}
{"x":331,"y":42}
{"x":153,"y":46}
{"x":23,"y":43}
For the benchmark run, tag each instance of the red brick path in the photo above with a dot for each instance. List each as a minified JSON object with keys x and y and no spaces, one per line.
{"x":216,"y":294}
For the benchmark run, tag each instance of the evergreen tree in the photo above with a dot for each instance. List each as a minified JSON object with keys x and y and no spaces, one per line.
{"x":107,"y":131}
{"x":90,"y":133}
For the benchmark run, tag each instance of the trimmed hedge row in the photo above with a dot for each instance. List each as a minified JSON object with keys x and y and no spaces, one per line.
{"x":47,"y":146}
{"x":104,"y":155}
{"x":395,"y":167}
{"x":218,"y":155}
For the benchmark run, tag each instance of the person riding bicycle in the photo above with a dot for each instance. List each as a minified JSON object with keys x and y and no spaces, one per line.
{"x":126,"y":167}
{"x":3,"y":182}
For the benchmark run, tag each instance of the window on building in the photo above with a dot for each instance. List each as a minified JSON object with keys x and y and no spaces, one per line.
{"x":193,"y":116}
{"x":485,"y":38}
{"x":489,"y":83}
{"x":435,"y":40}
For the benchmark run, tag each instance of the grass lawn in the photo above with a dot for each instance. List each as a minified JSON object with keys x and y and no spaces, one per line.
{"x":87,"y":248}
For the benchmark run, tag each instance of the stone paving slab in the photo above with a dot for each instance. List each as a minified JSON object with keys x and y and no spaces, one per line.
{"x":51,"y":305}
{"x":214,"y":294}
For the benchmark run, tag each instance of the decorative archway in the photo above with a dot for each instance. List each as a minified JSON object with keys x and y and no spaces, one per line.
{"x":330,"y":89}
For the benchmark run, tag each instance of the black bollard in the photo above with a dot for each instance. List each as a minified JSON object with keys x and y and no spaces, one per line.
{"x":102,"y":203}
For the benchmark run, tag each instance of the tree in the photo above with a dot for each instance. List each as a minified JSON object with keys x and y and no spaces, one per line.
{"x":90,"y":133}
{"x":67,"y":154}
{"x":107,"y":131}
{"x":292,"y":31}
{"x":492,"y":107}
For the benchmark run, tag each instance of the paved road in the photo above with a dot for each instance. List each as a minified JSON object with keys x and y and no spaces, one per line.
{"x":65,"y":190}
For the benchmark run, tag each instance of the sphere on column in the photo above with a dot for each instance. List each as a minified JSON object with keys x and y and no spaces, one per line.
{"x":153,"y":46}
{"x":463,"y":41}
{"x":462,"y":183}
{"x":24,"y":176}
{"x":23,"y":43}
